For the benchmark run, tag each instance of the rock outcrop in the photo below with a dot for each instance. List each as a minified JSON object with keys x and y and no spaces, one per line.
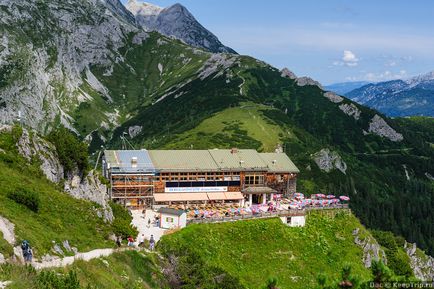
{"x":371,"y":249}
{"x":134,"y":131}
{"x":285,"y":72}
{"x":380,"y":127}
{"x":422,"y":265}
{"x":90,"y":188}
{"x":333,"y":97}
{"x":32,"y":146}
{"x":351,"y":110}
{"x":303,"y":81}
{"x":328,"y":160}
{"x":217,"y":63}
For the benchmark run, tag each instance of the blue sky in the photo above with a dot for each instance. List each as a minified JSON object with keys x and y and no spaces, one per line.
{"x":331,"y":41}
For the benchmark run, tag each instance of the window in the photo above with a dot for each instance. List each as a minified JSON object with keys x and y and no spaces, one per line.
{"x":259,"y":180}
{"x":288,"y":220}
{"x":254,"y":180}
{"x":169,"y":220}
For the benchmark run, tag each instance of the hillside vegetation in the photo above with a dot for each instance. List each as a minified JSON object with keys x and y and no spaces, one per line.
{"x":40,"y":211}
{"x":130,"y":269}
{"x":245,"y":126}
{"x":253,"y":251}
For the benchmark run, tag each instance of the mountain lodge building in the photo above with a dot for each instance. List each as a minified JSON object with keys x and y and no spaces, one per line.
{"x":158,"y":178}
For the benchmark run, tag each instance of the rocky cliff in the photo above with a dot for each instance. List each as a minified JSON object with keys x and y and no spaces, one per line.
{"x":176,"y":21}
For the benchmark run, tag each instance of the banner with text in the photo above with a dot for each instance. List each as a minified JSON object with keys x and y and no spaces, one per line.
{"x":195,"y":189}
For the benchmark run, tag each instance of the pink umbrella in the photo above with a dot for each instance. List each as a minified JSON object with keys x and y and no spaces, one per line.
{"x":330,"y":197}
{"x":344,"y":198}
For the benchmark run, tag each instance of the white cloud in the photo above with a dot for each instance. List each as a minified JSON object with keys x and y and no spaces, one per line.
{"x":348,"y":59}
{"x":349,"y":56}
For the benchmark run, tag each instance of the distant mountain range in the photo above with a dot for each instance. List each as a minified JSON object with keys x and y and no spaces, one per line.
{"x":395,"y":98}
{"x":175,"y":21}
{"x":344,"y":87}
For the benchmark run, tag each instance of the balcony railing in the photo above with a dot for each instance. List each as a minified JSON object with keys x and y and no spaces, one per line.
{"x":284,"y":213}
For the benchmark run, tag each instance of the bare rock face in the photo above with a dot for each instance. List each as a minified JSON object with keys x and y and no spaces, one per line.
{"x":422,"y":265}
{"x":90,"y":188}
{"x":134,"y":131}
{"x":303,"y":81}
{"x":333,"y":97}
{"x":328,"y":160}
{"x":380,"y":127}
{"x":351,"y":110}
{"x":176,"y":21}
{"x":285,"y":72}
{"x":217,"y":63}
{"x":371,"y":249}
{"x":32,"y":146}
{"x":2,"y":259}
{"x":87,"y":33}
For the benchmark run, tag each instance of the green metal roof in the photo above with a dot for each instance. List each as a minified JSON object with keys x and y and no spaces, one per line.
{"x":238,"y":160}
{"x":203,"y":160}
{"x":279,"y":162}
{"x":183,"y":160}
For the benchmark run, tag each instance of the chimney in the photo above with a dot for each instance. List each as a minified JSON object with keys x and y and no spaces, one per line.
{"x":234,"y":150}
{"x":134,"y":162}
{"x":274,"y":162}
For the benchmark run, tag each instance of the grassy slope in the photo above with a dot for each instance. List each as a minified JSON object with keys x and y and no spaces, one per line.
{"x":137,"y":82}
{"x":128,"y":269}
{"x":256,"y":250}
{"x":60,"y":216}
{"x":245,"y":126}
{"x":5,"y":248}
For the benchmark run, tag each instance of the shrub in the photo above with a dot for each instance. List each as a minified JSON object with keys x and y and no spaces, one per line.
{"x":397,"y":259}
{"x":399,"y":262}
{"x":385,"y":239}
{"x":30,"y":199}
{"x":72,"y":152}
{"x":122,"y":222}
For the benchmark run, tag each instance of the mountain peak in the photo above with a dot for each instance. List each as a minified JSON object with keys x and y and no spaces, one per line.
{"x":421,"y":78}
{"x":175,"y":21}
{"x":143,"y":8}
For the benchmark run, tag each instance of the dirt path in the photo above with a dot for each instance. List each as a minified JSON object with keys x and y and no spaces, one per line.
{"x":7,"y":228}
{"x":86,"y":256}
